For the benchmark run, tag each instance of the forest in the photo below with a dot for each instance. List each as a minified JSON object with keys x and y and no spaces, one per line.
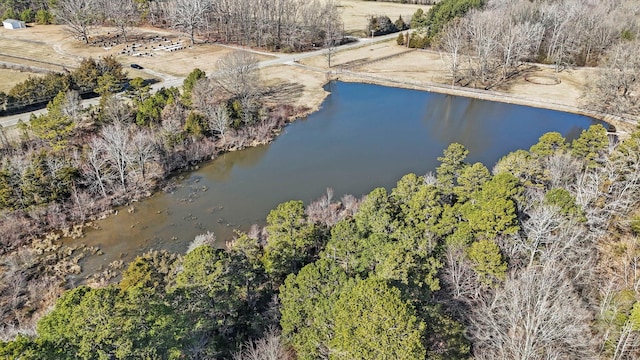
{"x":487,"y":43}
{"x":535,"y":258}
{"x":72,"y":165}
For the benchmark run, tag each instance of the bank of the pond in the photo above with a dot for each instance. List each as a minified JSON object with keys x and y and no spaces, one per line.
{"x":621,"y":126}
{"x":364,"y":136}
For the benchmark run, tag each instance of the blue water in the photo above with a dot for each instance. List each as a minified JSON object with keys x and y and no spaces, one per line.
{"x":364,"y":136}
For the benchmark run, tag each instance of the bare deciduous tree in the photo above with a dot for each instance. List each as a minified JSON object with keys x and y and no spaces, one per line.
{"x":115,"y":141}
{"x":483,"y":36}
{"x":459,"y":276}
{"x":452,"y":41}
{"x":628,"y":343}
{"x":207,"y":100}
{"x":189,"y":15}
{"x":207,"y":238}
{"x":270,"y":347}
{"x":518,"y":41}
{"x":537,"y":315}
{"x":142,"y":149}
{"x":115,"y":109}
{"x":617,"y":88}
{"x":72,"y":106}
{"x":123,"y":14}
{"x":95,"y":168}
{"x":562,"y":169}
{"x":219,"y":120}
{"x":78,"y":15}
{"x":332,"y":28}
{"x":173,"y":117}
{"x":238,"y":74}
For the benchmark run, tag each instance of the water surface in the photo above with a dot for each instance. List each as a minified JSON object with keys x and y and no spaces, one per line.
{"x":364,"y":136}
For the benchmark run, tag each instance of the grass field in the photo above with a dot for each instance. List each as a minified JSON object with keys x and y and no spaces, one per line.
{"x":355,"y":58}
{"x":356,"y":13}
{"x":43,"y":46}
{"x":37,"y":45}
{"x":10,"y":77}
{"x":52,"y":47}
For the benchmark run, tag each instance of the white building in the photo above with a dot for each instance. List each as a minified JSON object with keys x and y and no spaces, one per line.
{"x":13,"y":24}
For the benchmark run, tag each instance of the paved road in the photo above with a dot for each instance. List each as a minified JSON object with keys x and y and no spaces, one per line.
{"x":169,"y":81}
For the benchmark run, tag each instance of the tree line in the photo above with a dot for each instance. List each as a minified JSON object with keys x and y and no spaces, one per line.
{"x":533,"y":259}
{"x":490,"y":44}
{"x":285,"y":25}
{"x":28,"y":11}
{"x":91,"y":76}
{"x":281,"y":25}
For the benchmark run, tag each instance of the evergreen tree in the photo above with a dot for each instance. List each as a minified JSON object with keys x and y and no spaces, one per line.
{"x":54,"y":127}
{"x":487,"y":262}
{"x":591,"y":145}
{"x":451,"y":165}
{"x":548,"y":144}
{"x":188,"y":85}
{"x":292,"y":241}
{"x":195,"y":124}
{"x":373,"y":322}
{"x":308,"y":301}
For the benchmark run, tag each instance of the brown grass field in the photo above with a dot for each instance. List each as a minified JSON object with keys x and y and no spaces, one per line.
{"x":10,"y":77}
{"x":356,"y":13}
{"x":53,"y":46}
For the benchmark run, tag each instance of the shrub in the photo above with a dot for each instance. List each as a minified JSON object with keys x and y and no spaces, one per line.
{"x":43,"y":17}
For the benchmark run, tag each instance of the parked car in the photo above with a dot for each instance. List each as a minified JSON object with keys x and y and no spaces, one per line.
{"x":136,"y":66}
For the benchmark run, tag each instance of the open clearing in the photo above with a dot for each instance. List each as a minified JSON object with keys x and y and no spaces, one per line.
{"x":390,"y":60}
{"x":307,"y":83}
{"x":383,"y":63}
{"x":356,"y":14}
{"x":51,"y":47}
{"x":10,"y":77}
{"x":356,"y":58}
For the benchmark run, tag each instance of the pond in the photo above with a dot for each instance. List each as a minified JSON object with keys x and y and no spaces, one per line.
{"x":363,"y":137}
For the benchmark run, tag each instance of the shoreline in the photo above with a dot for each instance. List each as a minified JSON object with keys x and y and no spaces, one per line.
{"x":314,"y":80}
{"x":623,"y":126}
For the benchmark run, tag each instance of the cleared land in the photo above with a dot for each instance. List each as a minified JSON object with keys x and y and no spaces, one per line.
{"x":306,"y":86}
{"x":396,"y":62}
{"x":37,"y":45}
{"x":356,"y":14}
{"x":382,"y":63}
{"x":52,"y":47}
{"x":10,"y":77}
